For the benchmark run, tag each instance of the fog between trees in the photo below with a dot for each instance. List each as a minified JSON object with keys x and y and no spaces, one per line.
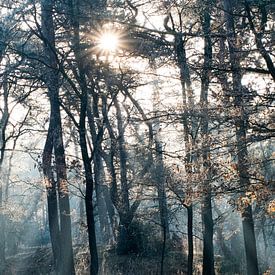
{"x":137,"y":137}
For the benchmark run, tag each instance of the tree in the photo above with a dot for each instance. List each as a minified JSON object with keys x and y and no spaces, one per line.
{"x":61,"y":237}
{"x":242,"y":165}
{"x":207,"y":217}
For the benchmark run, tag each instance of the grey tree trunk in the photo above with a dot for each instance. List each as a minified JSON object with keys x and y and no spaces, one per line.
{"x":189,"y":128}
{"x":74,"y":17}
{"x":89,"y":187}
{"x":125,"y":219}
{"x":3,"y":126}
{"x":52,"y":202}
{"x":207,"y":217}
{"x":160,"y":178}
{"x":240,"y":125}
{"x":48,"y":31}
{"x":121,"y":201}
{"x":99,"y":170}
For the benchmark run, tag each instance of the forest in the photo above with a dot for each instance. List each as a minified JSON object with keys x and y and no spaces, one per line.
{"x":137,"y":137}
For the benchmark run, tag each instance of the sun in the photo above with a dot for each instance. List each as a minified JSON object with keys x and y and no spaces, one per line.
{"x":108,"y":42}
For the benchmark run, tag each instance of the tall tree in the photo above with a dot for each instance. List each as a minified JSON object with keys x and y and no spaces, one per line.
{"x":188,"y":121}
{"x":207,"y":217}
{"x":66,"y":264}
{"x":240,"y":125}
{"x":95,"y":129}
{"x":3,"y":128}
{"x":74,"y":15}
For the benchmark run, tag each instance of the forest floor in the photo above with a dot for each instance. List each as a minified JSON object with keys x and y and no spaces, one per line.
{"x":38,"y":261}
{"x":31,"y":261}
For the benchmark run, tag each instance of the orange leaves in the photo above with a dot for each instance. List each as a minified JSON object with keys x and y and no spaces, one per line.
{"x":271,"y":208}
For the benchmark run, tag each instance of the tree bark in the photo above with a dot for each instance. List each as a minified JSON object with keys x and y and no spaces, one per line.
{"x":87,"y":164}
{"x":207,"y":218}
{"x":51,"y":80}
{"x":120,"y":198}
{"x":52,"y":202}
{"x":240,"y":124}
{"x":190,"y":239}
{"x":89,"y":193}
{"x":124,"y":208}
{"x":98,"y":170}
{"x":3,"y":127}
{"x":87,"y":167}
{"x":188,"y":135}
{"x":89,"y":181}
{"x":160,"y":176}
{"x":160,"y":179}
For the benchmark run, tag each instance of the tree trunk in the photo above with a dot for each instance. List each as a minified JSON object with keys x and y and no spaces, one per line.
{"x":160,"y":178}
{"x":208,"y":251}
{"x":123,"y":246}
{"x":207,"y":218}
{"x":89,"y":185}
{"x":240,"y":124}
{"x":74,"y":12}
{"x":113,"y":195}
{"x":122,"y":160}
{"x":125,"y":239}
{"x":188,"y":134}
{"x":98,"y":170}
{"x":159,"y":169}
{"x":190,"y":239}
{"x":47,"y":26}
{"x":52,"y":199}
{"x":3,"y":126}
{"x":2,"y":226}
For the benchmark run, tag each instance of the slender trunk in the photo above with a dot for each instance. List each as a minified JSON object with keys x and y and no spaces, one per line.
{"x":124,"y":223}
{"x":89,"y":184}
{"x":2,"y":222}
{"x":160,"y":178}
{"x":122,"y":159}
{"x":66,"y":254}
{"x":162,"y":199}
{"x":156,"y":142}
{"x":114,"y":198}
{"x":125,"y":240}
{"x":100,"y":197}
{"x":188,"y":135}
{"x":190,"y":239}
{"x":110,"y":209}
{"x":98,"y":171}
{"x":2,"y":225}
{"x":67,"y":266}
{"x":240,"y":124}
{"x":74,"y":12}
{"x":208,"y":252}
{"x":231,"y":260}
{"x":52,"y":199}
{"x":207,"y":218}
{"x":3,"y":126}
